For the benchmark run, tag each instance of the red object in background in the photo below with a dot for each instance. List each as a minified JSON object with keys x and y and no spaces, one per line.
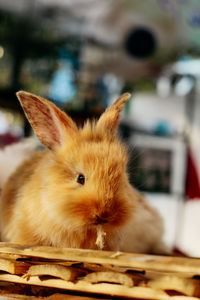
{"x":7,"y":139}
{"x":177,"y":252}
{"x":192,"y":184}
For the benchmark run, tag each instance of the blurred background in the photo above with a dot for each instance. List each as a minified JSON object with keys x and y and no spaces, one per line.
{"x":83,"y":54}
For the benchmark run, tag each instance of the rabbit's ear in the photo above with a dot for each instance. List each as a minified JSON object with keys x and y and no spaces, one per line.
{"x":110,"y":118}
{"x":51,"y":125}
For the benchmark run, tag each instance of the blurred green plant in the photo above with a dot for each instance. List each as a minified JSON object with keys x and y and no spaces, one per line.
{"x":28,"y":38}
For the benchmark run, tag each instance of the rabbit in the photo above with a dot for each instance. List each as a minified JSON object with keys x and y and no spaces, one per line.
{"x":79,"y":184}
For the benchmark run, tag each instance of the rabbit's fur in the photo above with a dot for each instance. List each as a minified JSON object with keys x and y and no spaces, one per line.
{"x":43,"y":203}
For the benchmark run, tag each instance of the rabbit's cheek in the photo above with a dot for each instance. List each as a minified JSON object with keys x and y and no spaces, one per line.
{"x":121,"y":212}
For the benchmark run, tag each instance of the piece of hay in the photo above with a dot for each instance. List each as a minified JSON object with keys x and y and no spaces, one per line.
{"x":100,"y":237}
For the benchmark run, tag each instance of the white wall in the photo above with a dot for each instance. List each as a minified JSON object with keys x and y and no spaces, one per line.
{"x":146,"y":110}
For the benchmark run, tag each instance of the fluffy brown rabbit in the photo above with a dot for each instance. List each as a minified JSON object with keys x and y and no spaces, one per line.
{"x":78,"y":188}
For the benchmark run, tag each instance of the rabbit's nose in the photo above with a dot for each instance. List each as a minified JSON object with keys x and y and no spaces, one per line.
{"x":100,"y":219}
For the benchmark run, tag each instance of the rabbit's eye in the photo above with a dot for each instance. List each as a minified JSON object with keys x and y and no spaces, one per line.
{"x":81,"y":179}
